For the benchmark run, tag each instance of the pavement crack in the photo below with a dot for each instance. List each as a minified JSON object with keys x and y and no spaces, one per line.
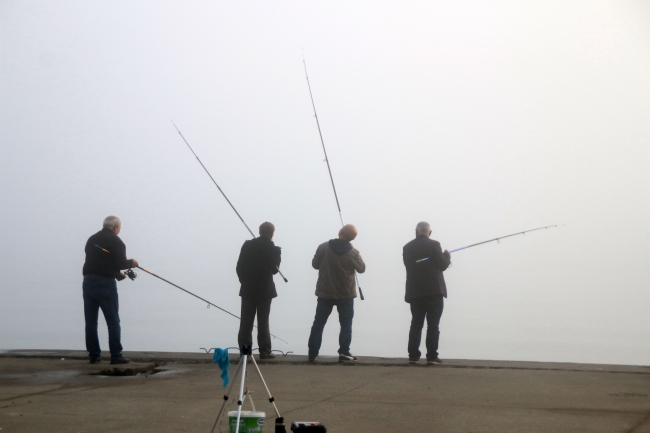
{"x":637,"y":426}
{"x":16,"y":405}
{"x":31,"y":394}
{"x":342,"y":393}
{"x":49,"y":391}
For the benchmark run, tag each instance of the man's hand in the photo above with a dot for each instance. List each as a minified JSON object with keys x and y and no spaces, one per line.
{"x":447,"y":254}
{"x":135,"y":263}
{"x":121,"y":276}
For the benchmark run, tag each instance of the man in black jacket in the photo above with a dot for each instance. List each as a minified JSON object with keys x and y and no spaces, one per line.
{"x":425,"y":289}
{"x":259,"y":260}
{"x":105,"y":259}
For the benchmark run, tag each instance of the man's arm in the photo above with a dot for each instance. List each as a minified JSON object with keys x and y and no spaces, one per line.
{"x":407,"y":258}
{"x":359,"y":264}
{"x":120,"y":262}
{"x":119,"y":256}
{"x":241,"y":263}
{"x":276,"y":259}
{"x":440,"y":260}
{"x":315,"y":262}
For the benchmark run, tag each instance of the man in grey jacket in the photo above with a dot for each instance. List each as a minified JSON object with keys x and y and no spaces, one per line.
{"x":336,"y":262}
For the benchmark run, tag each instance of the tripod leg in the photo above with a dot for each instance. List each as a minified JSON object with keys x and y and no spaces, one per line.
{"x":242,"y":381}
{"x":225,"y":397}
{"x":271,"y":399}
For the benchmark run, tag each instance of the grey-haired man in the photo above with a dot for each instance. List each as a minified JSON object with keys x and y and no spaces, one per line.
{"x":425,"y":290}
{"x":105,"y":259}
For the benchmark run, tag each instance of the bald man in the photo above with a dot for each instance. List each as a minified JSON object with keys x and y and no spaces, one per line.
{"x":336,"y":261}
{"x":425,"y":261}
{"x":105,"y":260}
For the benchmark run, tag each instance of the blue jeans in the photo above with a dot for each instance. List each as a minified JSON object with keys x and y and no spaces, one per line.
{"x":102,"y":293}
{"x":324,"y":308}
{"x":431,"y":309}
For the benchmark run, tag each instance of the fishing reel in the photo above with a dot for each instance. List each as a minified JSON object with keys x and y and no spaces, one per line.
{"x":131,"y":274}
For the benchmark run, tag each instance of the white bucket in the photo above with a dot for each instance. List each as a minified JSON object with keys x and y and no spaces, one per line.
{"x":250,"y":422}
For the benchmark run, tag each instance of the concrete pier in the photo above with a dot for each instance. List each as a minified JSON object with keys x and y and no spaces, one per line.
{"x":59,"y":391}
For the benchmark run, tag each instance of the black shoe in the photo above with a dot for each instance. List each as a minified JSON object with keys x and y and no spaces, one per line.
{"x":434,"y":361}
{"x":95,"y":360}
{"x":120,"y":360}
{"x":347,"y":357}
{"x":413,"y":361}
{"x":312,"y":358}
{"x":267,"y":356}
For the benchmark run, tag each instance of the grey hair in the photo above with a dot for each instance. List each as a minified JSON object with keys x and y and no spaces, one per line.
{"x":423,"y":227}
{"x":111,"y":221}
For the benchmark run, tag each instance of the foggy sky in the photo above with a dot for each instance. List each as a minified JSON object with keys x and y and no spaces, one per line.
{"x":482,"y":118}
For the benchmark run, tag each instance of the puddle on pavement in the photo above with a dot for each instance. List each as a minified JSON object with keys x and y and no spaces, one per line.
{"x":145,"y":370}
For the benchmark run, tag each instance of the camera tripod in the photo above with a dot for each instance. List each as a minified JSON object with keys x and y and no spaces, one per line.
{"x":246,"y":352}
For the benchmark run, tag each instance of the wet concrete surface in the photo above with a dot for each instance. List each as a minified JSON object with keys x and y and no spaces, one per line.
{"x":59,"y":391}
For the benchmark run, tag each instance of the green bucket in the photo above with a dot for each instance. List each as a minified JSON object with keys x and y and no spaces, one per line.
{"x":250,"y":422}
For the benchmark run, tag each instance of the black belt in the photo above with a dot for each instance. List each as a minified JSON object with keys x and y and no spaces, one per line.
{"x":96,"y":276}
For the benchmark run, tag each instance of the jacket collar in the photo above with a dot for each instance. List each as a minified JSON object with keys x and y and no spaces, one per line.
{"x":105,"y":230}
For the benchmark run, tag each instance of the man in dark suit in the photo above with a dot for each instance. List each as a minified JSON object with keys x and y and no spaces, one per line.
{"x":425,"y":289}
{"x":258,"y":262}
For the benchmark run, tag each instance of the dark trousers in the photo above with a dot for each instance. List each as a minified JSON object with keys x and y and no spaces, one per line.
{"x":102,"y":293}
{"x":250,"y":308}
{"x":431,"y":309}
{"x":324,"y":308}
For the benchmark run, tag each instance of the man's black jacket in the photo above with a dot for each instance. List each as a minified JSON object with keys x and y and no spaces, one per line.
{"x":258,"y":262}
{"x":103,"y":264}
{"x":425,"y":278}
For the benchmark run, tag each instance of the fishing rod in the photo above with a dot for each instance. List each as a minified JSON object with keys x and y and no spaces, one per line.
{"x":502,"y":237}
{"x":222,"y":193}
{"x":328,"y":163}
{"x":498,"y":240}
{"x":132,"y":275}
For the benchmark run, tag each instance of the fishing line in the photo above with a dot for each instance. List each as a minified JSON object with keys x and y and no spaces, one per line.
{"x":328,"y":162}
{"x":188,"y":292}
{"x":221,"y":191}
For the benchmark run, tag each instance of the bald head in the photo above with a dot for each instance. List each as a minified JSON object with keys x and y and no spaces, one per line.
{"x":113,"y":223}
{"x":348,"y":232}
{"x":423,"y":228}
